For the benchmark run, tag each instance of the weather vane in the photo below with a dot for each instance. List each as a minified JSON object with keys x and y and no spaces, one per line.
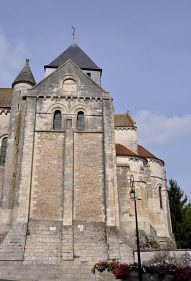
{"x":73,"y":34}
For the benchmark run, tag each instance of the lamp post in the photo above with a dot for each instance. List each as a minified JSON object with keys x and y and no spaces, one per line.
{"x":134,"y":198}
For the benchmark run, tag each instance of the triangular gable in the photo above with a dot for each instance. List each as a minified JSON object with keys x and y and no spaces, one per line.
{"x":50,"y":84}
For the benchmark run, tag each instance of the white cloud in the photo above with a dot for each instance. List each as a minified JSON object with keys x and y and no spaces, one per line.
{"x":161,"y":129}
{"x":12,"y":59}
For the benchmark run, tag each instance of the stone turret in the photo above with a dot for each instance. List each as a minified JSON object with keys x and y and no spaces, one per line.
{"x":21,"y":85}
{"x":25,"y":77}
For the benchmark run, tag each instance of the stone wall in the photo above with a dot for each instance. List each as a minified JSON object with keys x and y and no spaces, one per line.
{"x":4,"y":122}
{"x":88,"y":177}
{"x":43,"y":242}
{"x":127,"y":137}
{"x":90,"y":242}
{"x":182,"y":257}
{"x":46,"y":196}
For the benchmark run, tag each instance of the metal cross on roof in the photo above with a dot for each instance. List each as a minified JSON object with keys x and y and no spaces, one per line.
{"x":73,"y":34}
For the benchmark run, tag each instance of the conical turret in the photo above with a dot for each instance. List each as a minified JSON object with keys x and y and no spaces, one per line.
{"x":25,"y":76}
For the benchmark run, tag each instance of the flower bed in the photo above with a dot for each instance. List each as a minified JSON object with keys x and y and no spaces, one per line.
{"x":158,"y":271}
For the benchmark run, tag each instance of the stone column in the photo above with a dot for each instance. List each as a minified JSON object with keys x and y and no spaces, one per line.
{"x":13,"y":246}
{"x":112,"y":208}
{"x":111,"y":193}
{"x":9,"y":185}
{"x":26,"y":161}
{"x":67,"y":236}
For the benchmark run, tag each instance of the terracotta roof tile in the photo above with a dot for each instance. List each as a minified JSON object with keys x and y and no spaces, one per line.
{"x":123,"y":120}
{"x":5,"y":97}
{"x":124,"y":151}
{"x":142,"y":152}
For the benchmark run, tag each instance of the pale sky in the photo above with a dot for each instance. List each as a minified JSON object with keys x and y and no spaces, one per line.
{"x":143,"y":47}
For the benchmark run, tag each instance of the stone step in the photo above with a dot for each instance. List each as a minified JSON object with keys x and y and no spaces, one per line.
{"x":12,"y":246}
{"x":43,"y":244}
{"x":67,"y":272}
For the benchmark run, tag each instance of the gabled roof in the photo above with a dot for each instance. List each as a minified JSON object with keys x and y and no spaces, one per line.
{"x":66,"y":69}
{"x":145,"y":153}
{"x":121,"y":150}
{"x":25,"y":76}
{"x":123,"y":120}
{"x":77,"y":55}
{"x":5,"y":97}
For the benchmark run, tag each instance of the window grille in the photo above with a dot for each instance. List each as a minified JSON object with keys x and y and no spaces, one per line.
{"x":80,"y":121}
{"x":57,"y":121}
{"x":3,"y":151}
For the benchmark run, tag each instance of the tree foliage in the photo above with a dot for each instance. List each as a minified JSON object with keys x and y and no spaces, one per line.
{"x":180,"y":210}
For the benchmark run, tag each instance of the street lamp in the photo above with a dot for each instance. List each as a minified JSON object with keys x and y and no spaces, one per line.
{"x":134,"y":198}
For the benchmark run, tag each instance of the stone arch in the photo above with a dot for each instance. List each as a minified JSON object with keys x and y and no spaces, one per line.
{"x":57,"y":106}
{"x":80,"y":107}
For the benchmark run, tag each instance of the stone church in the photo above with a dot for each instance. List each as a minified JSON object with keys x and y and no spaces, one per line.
{"x":65,"y":166}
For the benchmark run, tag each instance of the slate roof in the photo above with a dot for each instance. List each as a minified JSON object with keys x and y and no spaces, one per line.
{"x":77,"y":55}
{"x":5,"y":97}
{"x":25,"y":76}
{"x":123,"y":120}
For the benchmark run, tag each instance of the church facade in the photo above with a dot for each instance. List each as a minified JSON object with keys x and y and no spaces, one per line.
{"x":65,"y":165}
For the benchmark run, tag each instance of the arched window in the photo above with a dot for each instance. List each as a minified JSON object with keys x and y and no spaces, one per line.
{"x":160,"y":196}
{"x":80,"y":121}
{"x":57,"y":120}
{"x":3,"y":151}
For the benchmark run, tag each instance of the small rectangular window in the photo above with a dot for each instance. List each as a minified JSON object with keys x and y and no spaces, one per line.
{"x":89,"y":74}
{"x":160,"y":197}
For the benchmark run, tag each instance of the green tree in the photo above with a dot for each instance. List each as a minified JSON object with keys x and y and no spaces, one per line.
{"x":180,"y":215}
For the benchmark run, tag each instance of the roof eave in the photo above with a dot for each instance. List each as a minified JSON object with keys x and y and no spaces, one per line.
{"x":134,"y":156}
{"x":158,"y":159}
{"x":83,"y":68}
{"x":22,"y":81}
{"x":122,"y":126}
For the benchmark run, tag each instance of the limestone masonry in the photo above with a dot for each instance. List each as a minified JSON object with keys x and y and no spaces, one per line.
{"x":65,"y":166}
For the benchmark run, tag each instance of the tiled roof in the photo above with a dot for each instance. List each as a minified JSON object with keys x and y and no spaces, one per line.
{"x":123,"y":120}
{"x":77,"y":55}
{"x":124,"y":151}
{"x":145,"y":153}
{"x":5,"y":97}
{"x":25,"y":76}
